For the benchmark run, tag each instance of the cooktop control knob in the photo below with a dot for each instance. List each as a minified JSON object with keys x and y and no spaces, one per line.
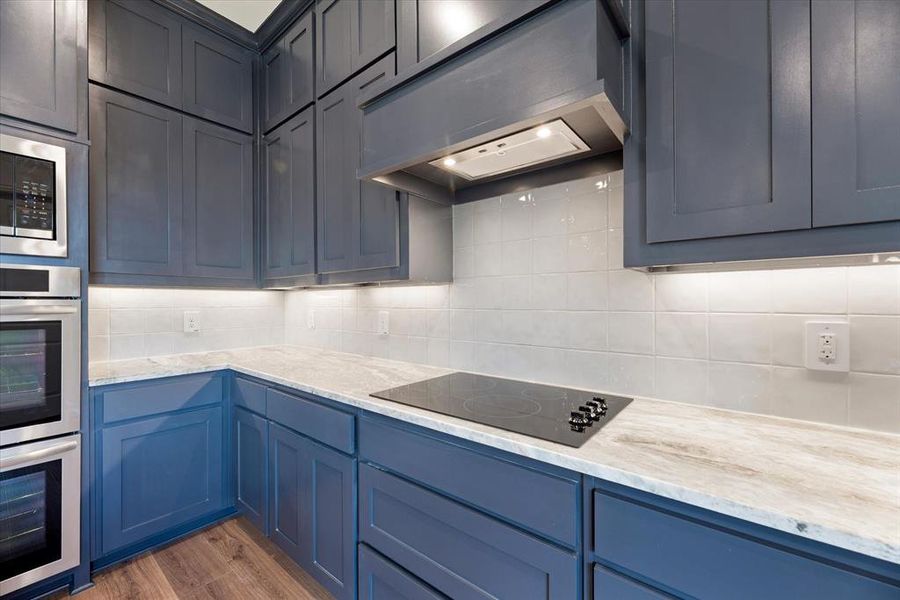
{"x":591,"y":411}
{"x":599,"y":403}
{"x":577,"y":419}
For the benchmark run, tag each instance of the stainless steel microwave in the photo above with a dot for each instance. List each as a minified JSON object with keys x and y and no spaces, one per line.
{"x":32,"y":197}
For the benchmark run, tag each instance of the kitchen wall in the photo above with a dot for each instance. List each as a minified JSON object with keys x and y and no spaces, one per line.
{"x":139,"y":322}
{"x":539,"y":293}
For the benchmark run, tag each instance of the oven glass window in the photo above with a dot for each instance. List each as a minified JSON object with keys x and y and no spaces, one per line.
{"x":30,"y":518}
{"x":30,"y":373}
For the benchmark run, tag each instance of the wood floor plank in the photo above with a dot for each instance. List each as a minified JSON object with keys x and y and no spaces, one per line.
{"x":190,"y":564}
{"x":138,"y":579}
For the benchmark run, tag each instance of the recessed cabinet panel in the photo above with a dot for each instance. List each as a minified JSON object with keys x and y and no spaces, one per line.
{"x":274,"y":85}
{"x":218,"y":79}
{"x":358,"y":220}
{"x":136,"y":188}
{"x":728,"y":118}
{"x":289,"y":73}
{"x":251,"y":447}
{"x":290,"y":198}
{"x":218,"y":201}
{"x":136,"y":47}
{"x":856,"y":111}
{"x":350,"y":34}
{"x":39,"y":62}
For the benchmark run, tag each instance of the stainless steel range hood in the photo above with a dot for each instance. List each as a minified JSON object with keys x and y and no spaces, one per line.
{"x":539,"y":102}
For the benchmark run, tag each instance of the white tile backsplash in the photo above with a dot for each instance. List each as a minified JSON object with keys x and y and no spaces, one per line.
{"x":139,"y":322}
{"x":540,"y":293}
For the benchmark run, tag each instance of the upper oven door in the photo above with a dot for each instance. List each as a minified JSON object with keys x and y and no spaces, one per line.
{"x":40,"y":368}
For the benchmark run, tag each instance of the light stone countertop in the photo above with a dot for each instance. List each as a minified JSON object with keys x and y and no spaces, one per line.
{"x":836,"y":485}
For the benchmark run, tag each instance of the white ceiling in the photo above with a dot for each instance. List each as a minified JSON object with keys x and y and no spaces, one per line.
{"x":249,"y":14}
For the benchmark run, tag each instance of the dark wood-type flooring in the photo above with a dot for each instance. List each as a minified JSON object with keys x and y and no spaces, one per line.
{"x":227,"y":561}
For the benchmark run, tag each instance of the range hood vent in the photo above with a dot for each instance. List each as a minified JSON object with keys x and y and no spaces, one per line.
{"x":540,"y":144}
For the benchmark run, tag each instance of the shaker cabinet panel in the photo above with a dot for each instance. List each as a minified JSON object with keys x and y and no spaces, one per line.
{"x":289,"y":193}
{"x":136,"y":47}
{"x":251,"y":481}
{"x":289,"y":73}
{"x":350,"y":35}
{"x":136,"y":186}
{"x":39,"y":77}
{"x":312,"y":508}
{"x":218,"y":79}
{"x":856,"y":111}
{"x":728,"y":118}
{"x":358,"y":221}
{"x":218,"y":201}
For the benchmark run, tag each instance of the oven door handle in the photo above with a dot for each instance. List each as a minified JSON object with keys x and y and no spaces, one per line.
{"x":60,"y":309}
{"x":13,"y":461}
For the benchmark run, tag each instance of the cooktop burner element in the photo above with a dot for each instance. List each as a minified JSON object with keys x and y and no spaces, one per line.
{"x":547,"y":412}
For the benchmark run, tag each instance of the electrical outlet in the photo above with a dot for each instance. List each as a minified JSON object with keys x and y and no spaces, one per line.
{"x":828,"y":346}
{"x":383,"y":327}
{"x":191,"y":321}
{"x":311,"y":319}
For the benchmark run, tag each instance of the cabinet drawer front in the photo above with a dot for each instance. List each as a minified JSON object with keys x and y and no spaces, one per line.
{"x":315,"y":420}
{"x":544,"y":503}
{"x":380,"y":579}
{"x":158,"y":474}
{"x":249,"y":394}
{"x":158,"y":398}
{"x":706,"y":562}
{"x":459,"y":551}
{"x":609,"y":585}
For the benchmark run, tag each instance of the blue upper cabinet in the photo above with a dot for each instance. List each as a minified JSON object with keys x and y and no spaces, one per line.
{"x":350,"y":35}
{"x":728,"y":125}
{"x":218,"y":202}
{"x":136,"y":47}
{"x":39,"y":62}
{"x":856,"y":111}
{"x":217,"y":78}
{"x":288,"y":73}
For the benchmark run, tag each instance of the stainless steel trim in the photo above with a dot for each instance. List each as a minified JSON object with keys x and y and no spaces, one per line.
{"x":10,"y":244}
{"x":65,"y":282}
{"x":69,"y":452}
{"x":68,"y":312}
{"x":15,"y":460}
{"x":34,"y":233}
{"x":6,"y":230}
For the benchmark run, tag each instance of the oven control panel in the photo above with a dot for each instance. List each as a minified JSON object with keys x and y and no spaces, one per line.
{"x":27,"y":196}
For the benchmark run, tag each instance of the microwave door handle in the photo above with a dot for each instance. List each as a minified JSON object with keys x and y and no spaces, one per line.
{"x":13,"y":461}
{"x":39,"y":310}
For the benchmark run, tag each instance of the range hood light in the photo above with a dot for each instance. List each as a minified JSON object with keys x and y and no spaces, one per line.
{"x":532,"y":146}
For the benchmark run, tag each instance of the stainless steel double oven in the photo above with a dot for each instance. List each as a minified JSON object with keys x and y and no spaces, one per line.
{"x":40,"y":399}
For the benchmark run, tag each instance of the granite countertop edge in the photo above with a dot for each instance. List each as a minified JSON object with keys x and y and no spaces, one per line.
{"x":105,"y":373}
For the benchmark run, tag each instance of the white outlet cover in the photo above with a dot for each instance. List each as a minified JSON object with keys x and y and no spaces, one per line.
{"x":384,"y":324}
{"x":841,"y":332}
{"x":311,"y":319}
{"x":191,"y":321}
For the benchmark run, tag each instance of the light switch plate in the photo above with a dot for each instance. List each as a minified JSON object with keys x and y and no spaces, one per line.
{"x":827,"y":346}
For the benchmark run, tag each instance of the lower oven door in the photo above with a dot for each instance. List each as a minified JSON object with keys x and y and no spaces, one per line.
{"x":40,"y":508}
{"x":40,"y":368}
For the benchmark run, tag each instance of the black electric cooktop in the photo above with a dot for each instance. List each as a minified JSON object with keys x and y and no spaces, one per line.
{"x":547,"y":412}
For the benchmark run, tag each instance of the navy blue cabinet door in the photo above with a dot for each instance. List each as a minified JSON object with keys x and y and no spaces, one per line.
{"x":728,"y":118}
{"x":218,"y":201}
{"x":39,"y":62}
{"x":136,"y":47}
{"x":358,"y":221}
{"x":159,"y":473}
{"x":461,"y":552}
{"x":136,"y":185}
{"x":251,"y":450}
{"x":380,"y":579}
{"x":289,"y":192}
{"x":288,"y":73}
{"x":312,"y":503}
{"x":350,"y":35}
{"x":856,"y":111}
{"x":218,"y":79}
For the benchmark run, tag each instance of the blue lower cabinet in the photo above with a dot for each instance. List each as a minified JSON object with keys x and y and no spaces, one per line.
{"x":311,"y":508}
{"x":251,"y":480}
{"x":159,"y":473}
{"x":609,"y":585}
{"x":458,"y":551}
{"x":380,"y":579}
